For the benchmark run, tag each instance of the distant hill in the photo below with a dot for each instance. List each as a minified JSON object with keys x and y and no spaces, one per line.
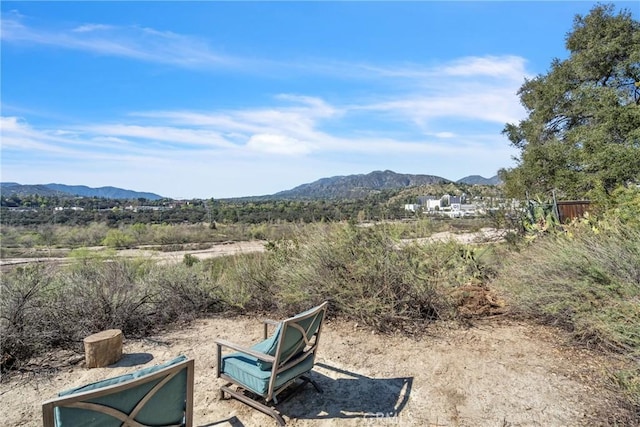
{"x":337,"y":187}
{"x":10,"y":188}
{"x":479,"y":180}
{"x":357,"y":186}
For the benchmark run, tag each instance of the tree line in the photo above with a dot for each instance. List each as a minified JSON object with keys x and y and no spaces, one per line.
{"x":34,"y":210}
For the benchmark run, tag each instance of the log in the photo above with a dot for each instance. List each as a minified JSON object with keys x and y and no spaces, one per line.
{"x":103,"y":349}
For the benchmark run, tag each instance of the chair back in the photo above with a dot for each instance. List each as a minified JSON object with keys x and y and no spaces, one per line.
{"x":300,"y":335}
{"x":161,"y":395}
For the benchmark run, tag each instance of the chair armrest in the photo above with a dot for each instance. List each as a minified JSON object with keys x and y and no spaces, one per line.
{"x":258,"y":355}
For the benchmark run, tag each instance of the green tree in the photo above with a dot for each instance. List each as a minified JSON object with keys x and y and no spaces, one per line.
{"x":582,"y":133}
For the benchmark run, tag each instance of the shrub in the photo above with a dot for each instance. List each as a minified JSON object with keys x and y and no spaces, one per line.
{"x":624,"y":206}
{"x":364,"y":272}
{"x":23,"y":319}
{"x":44,"y":308}
{"x":189,"y":260}
{"x":249,"y":283}
{"x":94,"y":295}
{"x":117,"y":239}
{"x":587,"y":281}
{"x":181,"y":293}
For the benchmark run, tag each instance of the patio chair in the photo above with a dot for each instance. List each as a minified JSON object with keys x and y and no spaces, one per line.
{"x":258,"y":374}
{"x":160,"y":395}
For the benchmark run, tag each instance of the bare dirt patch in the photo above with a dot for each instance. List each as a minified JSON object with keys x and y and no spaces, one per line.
{"x":497,"y":373}
{"x":216,"y":250}
{"x":484,"y":235}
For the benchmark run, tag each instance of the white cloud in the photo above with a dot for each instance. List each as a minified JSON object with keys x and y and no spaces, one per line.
{"x":111,"y":140}
{"x":174,"y":136}
{"x":310,"y":105}
{"x":86,"y":28}
{"x":133,"y":42}
{"x":492,"y":102}
{"x":469,"y":90}
{"x":17,"y":134}
{"x":510,"y":67}
{"x":445,"y":134}
{"x":278,"y":144}
{"x":153,"y":45}
{"x":490,"y":106}
{"x":507,"y":67}
{"x":288,"y":129}
{"x":23,"y":143}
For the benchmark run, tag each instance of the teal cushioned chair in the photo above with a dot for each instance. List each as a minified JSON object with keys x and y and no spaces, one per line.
{"x":160,"y":395}
{"x":269,"y":367}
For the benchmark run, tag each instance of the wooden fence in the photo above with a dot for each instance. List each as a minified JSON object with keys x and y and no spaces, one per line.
{"x":570,"y":209}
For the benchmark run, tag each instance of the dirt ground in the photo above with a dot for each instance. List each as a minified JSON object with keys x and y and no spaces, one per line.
{"x":496,"y":373}
{"x":216,"y":250}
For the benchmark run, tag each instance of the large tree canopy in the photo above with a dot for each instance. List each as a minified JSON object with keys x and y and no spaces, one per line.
{"x":582,"y":132}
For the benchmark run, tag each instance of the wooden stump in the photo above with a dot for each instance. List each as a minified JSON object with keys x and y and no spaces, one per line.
{"x":103,"y":349}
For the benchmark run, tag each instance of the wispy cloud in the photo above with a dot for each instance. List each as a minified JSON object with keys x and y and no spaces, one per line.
{"x":145,"y":44}
{"x":506,"y":68}
{"x":495,"y":105}
{"x":509,"y":67}
{"x":153,"y":45}
{"x":278,"y":144}
{"x":18,"y":137}
{"x":170,"y":137}
{"x":415,"y":121}
{"x":91,"y":27}
{"x":293,"y":130}
{"x":479,"y":89}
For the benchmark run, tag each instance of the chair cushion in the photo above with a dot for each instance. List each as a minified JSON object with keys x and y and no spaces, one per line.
{"x":167,"y":405}
{"x":268,"y":346}
{"x":245,"y":370}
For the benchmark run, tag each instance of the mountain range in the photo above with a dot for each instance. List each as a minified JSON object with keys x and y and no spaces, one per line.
{"x":358,"y":186}
{"x":61,"y":190}
{"x":337,"y":187}
{"x":479,"y":180}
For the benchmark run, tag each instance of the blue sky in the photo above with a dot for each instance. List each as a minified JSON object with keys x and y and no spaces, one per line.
{"x":228,"y":99}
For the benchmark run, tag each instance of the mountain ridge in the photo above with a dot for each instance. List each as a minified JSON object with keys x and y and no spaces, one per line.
{"x":337,"y":187}
{"x":357,"y":186}
{"x":61,"y":190}
{"x":479,"y":180}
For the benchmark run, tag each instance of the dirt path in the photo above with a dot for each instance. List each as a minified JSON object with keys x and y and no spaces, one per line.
{"x":497,"y":373}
